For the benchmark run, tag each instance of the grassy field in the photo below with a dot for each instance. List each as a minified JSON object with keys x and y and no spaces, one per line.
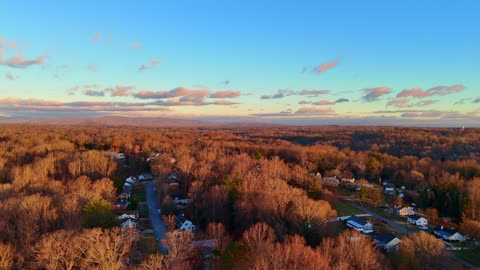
{"x":472,"y":256}
{"x":344,"y":209}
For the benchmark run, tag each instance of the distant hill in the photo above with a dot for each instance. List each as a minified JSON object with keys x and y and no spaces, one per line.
{"x":121,"y":121}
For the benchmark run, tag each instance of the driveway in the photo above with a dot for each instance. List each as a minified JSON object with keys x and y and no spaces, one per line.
{"x":155,"y":215}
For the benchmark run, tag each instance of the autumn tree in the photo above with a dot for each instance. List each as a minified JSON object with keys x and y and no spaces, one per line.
{"x":7,"y":256}
{"x":180,"y":250}
{"x":155,"y":261}
{"x":421,"y":250}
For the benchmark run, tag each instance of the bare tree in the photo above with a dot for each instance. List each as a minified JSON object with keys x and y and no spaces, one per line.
{"x":180,"y":250}
{"x":7,"y":255}
{"x":422,"y":251}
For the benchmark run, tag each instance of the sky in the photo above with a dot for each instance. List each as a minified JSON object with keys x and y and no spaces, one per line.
{"x":297,"y":62}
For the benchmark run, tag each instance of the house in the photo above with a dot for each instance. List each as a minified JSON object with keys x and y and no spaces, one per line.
{"x":131,"y":180}
{"x":128,"y":221}
{"x":331,"y":180}
{"x":417,"y":220}
{"x":182,"y":200}
{"x":348,"y":180}
{"x":125,"y":195}
{"x":184,"y":224}
{"x":174,"y":177}
{"x":359,"y":224}
{"x":387,"y":242}
{"x":404,"y":211}
{"x":448,"y":234}
{"x":145,"y":177}
{"x":388,"y":188}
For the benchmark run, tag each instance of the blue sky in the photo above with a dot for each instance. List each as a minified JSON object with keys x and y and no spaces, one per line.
{"x":86,"y":58}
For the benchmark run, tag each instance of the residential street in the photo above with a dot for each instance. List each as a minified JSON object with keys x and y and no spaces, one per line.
{"x":401,"y":228}
{"x":154,"y":213}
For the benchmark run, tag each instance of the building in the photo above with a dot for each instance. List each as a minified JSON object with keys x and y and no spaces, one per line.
{"x":128,"y":220}
{"x":417,"y":220}
{"x":404,"y":211}
{"x":388,"y":188}
{"x":348,"y":180}
{"x":387,"y":242}
{"x":359,"y":224}
{"x":184,"y":224}
{"x":448,"y":234}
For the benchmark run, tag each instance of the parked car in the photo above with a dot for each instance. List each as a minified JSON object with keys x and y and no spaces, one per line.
{"x":424,"y":227}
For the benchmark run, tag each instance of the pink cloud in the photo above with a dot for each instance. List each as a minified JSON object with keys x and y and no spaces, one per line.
{"x":10,"y":76}
{"x":443,"y":90}
{"x":312,"y":92}
{"x":373,"y":94}
{"x":224,"y":102}
{"x":415,"y":92}
{"x":153,"y":63}
{"x":326,"y":66}
{"x":137,"y":46}
{"x":96,"y":37}
{"x":399,"y":102}
{"x":20,"y":62}
{"x":120,"y":90}
{"x":303,"y":102}
{"x":225,"y":94}
{"x":312,"y":110}
{"x":176,"y":92}
{"x":324,"y":102}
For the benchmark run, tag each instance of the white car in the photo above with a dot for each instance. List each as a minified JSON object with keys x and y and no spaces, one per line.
{"x":424,"y":227}
{"x":158,"y":211}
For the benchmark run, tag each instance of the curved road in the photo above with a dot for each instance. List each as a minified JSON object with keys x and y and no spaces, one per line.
{"x":154,"y":213}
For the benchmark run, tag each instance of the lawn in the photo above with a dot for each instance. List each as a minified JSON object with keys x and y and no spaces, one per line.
{"x":472,"y":256}
{"x":139,"y":195}
{"x":344,"y":209}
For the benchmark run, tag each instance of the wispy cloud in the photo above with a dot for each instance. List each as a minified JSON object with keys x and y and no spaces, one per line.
{"x":92,"y":67}
{"x":315,"y":111}
{"x":323,"y":103}
{"x":153,"y":63}
{"x":176,"y":92}
{"x":415,"y":92}
{"x":342,"y":100}
{"x":10,"y":76}
{"x":373,"y":94}
{"x":20,"y":62}
{"x":404,"y":103}
{"x":94,"y":93}
{"x":303,"y":102}
{"x":477,"y":100}
{"x":225,"y":94}
{"x":137,"y":46}
{"x":441,"y":90}
{"x":96,"y":37}
{"x":326,"y":66}
{"x":281,"y":93}
{"x":120,"y":90}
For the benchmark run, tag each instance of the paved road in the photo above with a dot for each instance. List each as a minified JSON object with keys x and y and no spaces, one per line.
{"x":377,"y":216}
{"x":401,"y":228}
{"x":155,"y":216}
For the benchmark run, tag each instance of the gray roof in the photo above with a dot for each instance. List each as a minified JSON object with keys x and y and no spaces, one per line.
{"x":359,"y":220}
{"x":384,"y":238}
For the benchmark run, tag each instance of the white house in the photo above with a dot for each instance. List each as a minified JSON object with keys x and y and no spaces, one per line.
{"x":331,"y":180}
{"x":185,"y":224}
{"x":448,"y":234}
{"x":128,"y":221}
{"x":359,"y":224}
{"x":348,"y":180}
{"x":388,"y":188}
{"x":387,"y":242}
{"x":417,"y":220}
{"x":404,"y":211}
